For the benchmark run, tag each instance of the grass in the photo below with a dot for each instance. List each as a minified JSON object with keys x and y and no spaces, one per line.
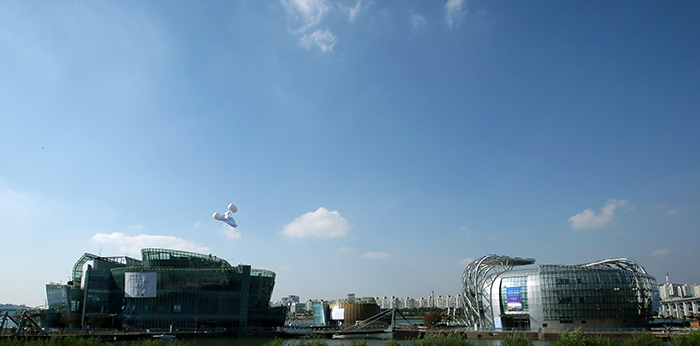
{"x":79,"y":341}
{"x":53,"y":341}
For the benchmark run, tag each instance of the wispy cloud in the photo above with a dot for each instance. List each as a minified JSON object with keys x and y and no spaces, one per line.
{"x":352,"y":12}
{"x":320,"y":223}
{"x":589,"y":219}
{"x":466,"y":261}
{"x":230,"y":232}
{"x":418,"y":22}
{"x":132,"y":245}
{"x":497,"y":235}
{"x":310,"y":12}
{"x":660,"y":253}
{"x":675,"y":211}
{"x":346,"y":249}
{"x":375,"y":255}
{"x":321,"y":38}
{"x":454,"y":12}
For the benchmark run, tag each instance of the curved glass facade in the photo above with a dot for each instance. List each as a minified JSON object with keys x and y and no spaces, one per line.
{"x":615,"y":293}
{"x":595,"y":293}
{"x":172,"y":288}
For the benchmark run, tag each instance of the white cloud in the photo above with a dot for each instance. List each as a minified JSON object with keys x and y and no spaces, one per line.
{"x":466,"y":261}
{"x":346,"y":249}
{"x":353,"y":12}
{"x":417,"y":22}
{"x":681,"y":210}
{"x":230,"y":232}
{"x":322,"y":38}
{"x":497,"y":235}
{"x":375,"y":255}
{"x":285,"y":267}
{"x":320,"y":223}
{"x":660,"y":253}
{"x":311,"y":12}
{"x":132,"y":245}
{"x":454,"y":12}
{"x":589,"y":219}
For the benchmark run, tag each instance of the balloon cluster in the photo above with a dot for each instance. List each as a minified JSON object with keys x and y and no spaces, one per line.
{"x":228,"y":217}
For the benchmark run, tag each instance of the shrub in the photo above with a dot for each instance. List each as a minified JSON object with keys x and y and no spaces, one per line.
{"x":452,"y":339}
{"x":391,"y":342}
{"x":600,"y":340}
{"x":53,"y":341}
{"x":301,"y":342}
{"x":643,"y":339}
{"x":691,"y":339}
{"x":276,"y":342}
{"x":572,"y":338}
{"x":356,"y":342}
{"x":515,"y":339}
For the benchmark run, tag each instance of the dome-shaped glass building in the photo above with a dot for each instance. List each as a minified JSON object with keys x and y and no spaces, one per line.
{"x":612,"y":293}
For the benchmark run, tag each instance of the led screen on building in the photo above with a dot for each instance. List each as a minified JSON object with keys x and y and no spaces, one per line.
{"x":513,"y":299}
{"x":140,"y":285}
{"x":337,"y":314}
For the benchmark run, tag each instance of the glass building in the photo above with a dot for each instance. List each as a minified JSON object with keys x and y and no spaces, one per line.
{"x":613,"y":293}
{"x":166,"y":289}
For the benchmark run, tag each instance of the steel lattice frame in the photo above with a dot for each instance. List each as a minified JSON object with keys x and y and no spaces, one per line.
{"x":480,"y":274}
{"x":628,"y":265}
{"x":619,"y":263}
{"x":477,"y":280}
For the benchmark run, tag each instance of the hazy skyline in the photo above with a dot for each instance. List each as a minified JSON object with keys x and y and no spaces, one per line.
{"x":371,"y":147}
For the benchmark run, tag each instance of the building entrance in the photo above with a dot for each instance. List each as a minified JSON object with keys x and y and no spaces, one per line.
{"x":516,"y":321}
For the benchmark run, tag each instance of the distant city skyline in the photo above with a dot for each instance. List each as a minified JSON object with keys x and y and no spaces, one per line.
{"x":373,"y":147}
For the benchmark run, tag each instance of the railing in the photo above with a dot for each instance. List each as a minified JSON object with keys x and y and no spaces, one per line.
{"x":559,"y":330}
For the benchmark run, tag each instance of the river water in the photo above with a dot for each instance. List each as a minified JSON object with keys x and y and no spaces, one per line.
{"x":329,"y":342}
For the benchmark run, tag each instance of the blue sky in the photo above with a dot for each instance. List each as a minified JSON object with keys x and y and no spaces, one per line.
{"x":372,"y":147}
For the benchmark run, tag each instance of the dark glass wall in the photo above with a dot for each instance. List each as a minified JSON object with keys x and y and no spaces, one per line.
{"x":190,"y":298}
{"x":582,"y":293}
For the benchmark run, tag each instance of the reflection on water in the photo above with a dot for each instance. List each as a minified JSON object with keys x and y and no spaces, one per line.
{"x":329,"y":342}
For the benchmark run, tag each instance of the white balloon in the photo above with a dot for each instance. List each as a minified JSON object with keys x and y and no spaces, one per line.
{"x":232,"y":208}
{"x":217,"y":216}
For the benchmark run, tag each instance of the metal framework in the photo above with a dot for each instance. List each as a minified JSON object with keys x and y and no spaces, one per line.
{"x":479,"y":276}
{"x":618,"y":263}
{"x":477,"y":280}
{"x":78,"y":267}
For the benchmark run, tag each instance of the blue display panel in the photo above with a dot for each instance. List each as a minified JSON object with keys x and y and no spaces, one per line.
{"x":513,"y":299}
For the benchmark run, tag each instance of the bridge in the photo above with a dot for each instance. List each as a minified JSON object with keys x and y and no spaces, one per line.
{"x":372,"y":326}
